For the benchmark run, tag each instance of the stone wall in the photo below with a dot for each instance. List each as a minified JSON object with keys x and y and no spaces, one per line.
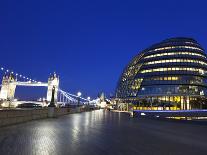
{"x":62,"y":111}
{"x":14,"y":116}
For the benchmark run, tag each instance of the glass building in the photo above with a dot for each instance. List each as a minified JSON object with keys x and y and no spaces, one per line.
{"x":170,"y":75}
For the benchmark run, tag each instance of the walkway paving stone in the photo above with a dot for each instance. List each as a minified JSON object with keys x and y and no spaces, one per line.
{"x":103,"y":133}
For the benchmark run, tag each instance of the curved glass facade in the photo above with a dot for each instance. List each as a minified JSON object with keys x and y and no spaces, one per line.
{"x":167,"y":75}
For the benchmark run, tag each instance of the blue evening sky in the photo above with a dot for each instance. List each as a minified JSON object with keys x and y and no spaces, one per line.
{"x":88,"y":43}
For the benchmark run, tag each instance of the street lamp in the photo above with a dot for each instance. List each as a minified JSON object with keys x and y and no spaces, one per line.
{"x":16,"y":76}
{"x":52,"y":102}
{"x":79,"y":94}
{"x":88,"y":98}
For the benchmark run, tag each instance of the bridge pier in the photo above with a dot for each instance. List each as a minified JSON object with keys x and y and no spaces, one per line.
{"x":53,"y":81}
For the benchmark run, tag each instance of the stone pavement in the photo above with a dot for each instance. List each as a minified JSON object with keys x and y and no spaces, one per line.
{"x":103,"y":133}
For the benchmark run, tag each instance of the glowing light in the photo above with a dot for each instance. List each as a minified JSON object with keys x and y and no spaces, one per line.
{"x":15,"y":73}
{"x":143,"y":114}
{"x":79,"y":94}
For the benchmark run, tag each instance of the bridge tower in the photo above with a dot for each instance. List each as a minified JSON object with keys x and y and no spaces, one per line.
{"x":53,"y":80}
{"x":8,"y":87}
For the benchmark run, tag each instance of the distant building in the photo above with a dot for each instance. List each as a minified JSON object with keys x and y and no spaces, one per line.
{"x":168,"y":75}
{"x":103,"y":102}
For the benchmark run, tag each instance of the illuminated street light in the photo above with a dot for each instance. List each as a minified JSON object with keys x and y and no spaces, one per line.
{"x":79,"y":94}
{"x":16,"y":76}
{"x":88,"y":98}
{"x":2,"y":68}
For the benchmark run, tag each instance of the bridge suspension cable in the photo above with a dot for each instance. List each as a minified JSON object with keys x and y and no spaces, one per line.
{"x":72,"y":95}
{"x":18,"y":75}
{"x":64,"y":94}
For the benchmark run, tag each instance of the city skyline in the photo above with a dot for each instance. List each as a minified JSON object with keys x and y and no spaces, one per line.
{"x":89,"y":43}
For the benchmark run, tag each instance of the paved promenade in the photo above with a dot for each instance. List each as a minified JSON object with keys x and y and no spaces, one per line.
{"x":103,"y":133}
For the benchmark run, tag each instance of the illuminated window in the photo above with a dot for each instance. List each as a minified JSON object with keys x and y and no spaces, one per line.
{"x":174,"y":78}
{"x":174,"y":53}
{"x":201,"y":71}
{"x":173,"y":47}
{"x":176,"y":60}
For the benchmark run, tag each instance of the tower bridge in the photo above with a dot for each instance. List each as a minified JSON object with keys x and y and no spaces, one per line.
{"x":10,"y":82}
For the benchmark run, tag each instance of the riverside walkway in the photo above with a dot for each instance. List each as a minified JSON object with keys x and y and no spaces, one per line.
{"x":104,"y":133}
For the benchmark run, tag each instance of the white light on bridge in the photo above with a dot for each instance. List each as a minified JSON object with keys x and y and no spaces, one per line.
{"x":88,"y":98}
{"x":18,"y":75}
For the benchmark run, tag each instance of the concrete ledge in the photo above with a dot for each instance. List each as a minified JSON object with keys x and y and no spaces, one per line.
{"x":14,"y":116}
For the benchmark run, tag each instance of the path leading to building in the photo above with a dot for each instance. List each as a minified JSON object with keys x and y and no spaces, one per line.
{"x":102,"y":133}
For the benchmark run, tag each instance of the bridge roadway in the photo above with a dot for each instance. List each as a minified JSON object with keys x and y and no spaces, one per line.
{"x":104,"y":133}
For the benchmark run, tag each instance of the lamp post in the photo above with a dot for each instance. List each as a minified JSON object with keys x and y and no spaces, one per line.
{"x":88,"y":98}
{"x":79,"y":94}
{"x":51,"y":106}
{"x":52,"y":103}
